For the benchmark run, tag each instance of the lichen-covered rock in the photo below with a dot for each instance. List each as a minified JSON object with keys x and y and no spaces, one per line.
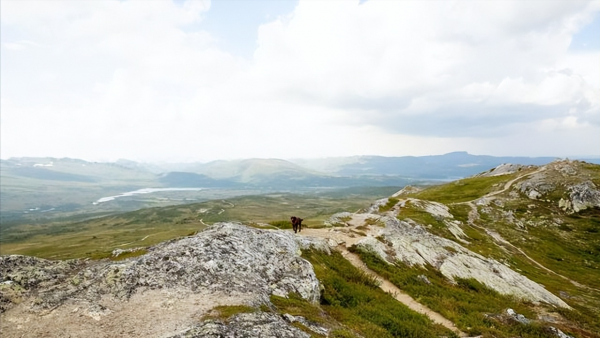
{"x":246,"y":325}
{"x":584,"y":195}
{"x":536,"y":185}
{"x":21,"y":274}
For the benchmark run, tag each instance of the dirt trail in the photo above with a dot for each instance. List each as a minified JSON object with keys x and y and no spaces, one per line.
{"x":400,"y":296}
{"x":474,"y":215}
{"x":511,"y":182}
{"x":348,"y":236}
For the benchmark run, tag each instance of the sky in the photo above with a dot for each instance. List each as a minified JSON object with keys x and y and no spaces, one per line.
{"x":182,"y":81}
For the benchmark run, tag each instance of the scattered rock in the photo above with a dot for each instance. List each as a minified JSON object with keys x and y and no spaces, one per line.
{"x":584,"y":195}
{"x":558,"y":332}
{"x":424,"y":279}
{"x":517,"y":317}
{"x":256,"y":324}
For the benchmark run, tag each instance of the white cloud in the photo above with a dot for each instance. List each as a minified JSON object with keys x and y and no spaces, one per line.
{"x":146,"y":80}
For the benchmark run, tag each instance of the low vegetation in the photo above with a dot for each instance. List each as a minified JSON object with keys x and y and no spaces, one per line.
{"x":353,"y":305}
{"x":392,"y":201}
{"x":224,"y":312}
{"x":97,"y":237}
{"x":474,"y":308}
{"x":463,"y":190}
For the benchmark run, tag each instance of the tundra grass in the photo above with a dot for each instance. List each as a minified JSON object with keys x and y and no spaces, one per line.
{"x":392,"y":201}
{"x":464,"y":190}
{"x":474,"y":308}
{"x":96,"y":238}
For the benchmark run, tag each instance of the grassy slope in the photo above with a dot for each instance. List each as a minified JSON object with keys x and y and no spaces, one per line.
{"x":566,"y":244}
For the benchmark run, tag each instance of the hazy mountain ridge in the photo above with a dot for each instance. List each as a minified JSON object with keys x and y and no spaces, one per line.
{"x":452,"y":165}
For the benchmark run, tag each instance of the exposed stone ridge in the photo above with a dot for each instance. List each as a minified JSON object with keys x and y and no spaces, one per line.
{"x":412,"y":244}
{"x":226,"y":260}
{"x":407,"y":190}
{"x":503,"y":169}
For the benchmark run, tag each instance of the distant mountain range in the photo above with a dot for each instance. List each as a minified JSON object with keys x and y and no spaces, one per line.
{"x":435,"y":167}
{"x":66,"y":183}
{"x":338,"y":171}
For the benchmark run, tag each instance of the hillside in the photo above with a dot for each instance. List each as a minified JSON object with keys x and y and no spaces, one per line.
{"x":513,"y":251}
{"x":53,"y":188}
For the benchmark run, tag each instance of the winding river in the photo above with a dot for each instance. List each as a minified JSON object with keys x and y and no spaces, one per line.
{"x":143,"y":191}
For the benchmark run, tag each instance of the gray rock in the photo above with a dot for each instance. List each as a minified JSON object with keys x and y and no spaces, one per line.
{"x":22,"y":274}
{"x":558,"y":332}
{"x":246,"y":325}
{"x":517,"y":316}
{"x":503,"y":169}
{"x":338,"y":219}
{"x":584,"y":195}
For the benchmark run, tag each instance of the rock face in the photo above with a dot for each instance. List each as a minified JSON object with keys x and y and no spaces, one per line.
{"x":503,"y":169}
{"x":584,"y":195}
{"x":258,"y":324}
{"x":226,"y":264}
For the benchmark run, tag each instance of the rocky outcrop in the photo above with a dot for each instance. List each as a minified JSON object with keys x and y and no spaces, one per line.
{"x":503,"y":169}
{"x":536,"y":185}
{"x":566,"y":177}
{"x":257,"y":324}
{"x":226,"y":264}
{"x":581,"y":196}
{"x":22,"y":274}
{"x":338,"y":219}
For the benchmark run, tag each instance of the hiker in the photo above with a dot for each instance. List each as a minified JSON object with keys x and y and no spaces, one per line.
{"x":296,"y":223}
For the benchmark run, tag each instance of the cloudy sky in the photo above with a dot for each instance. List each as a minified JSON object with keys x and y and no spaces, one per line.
{"x":225,"y":79}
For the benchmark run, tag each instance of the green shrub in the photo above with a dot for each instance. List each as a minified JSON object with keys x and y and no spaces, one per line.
{"x":281,"y":224}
